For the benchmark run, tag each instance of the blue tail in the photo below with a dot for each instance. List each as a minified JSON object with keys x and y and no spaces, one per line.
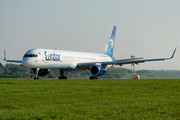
{"x":4,"y":55}
{"x":110,"y":45}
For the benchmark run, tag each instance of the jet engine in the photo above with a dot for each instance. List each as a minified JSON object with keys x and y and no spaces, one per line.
{"x":41,"y":72}
{"x":98,"y":70}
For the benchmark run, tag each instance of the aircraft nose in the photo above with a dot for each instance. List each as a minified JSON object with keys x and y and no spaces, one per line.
{"x":26,"y":62}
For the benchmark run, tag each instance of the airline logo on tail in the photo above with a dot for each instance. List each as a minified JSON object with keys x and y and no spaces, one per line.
{"x":111,"y":43}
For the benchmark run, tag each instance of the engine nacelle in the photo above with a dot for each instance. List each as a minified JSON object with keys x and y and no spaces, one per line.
{"x":41,"y":72}
{"x":98,"y":70}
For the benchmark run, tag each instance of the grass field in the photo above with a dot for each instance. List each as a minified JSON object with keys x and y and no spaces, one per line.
{"x":83,"y":99}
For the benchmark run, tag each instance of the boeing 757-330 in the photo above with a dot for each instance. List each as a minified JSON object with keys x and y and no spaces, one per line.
{"x":42,"y":60}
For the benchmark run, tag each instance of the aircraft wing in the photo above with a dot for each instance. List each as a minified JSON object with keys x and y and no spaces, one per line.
{"x":16,"y":61}
{"x":123,"y":61}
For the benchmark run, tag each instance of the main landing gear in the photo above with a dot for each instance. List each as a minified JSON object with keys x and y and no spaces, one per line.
{"x":62,"y":75}
{"x":36,"y":77}
{"x":93,"y":77}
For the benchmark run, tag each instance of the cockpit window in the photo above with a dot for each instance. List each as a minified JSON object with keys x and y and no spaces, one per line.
{"x":30,"y":55}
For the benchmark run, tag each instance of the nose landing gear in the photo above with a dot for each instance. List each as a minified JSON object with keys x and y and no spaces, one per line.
{"x":36,"y":77}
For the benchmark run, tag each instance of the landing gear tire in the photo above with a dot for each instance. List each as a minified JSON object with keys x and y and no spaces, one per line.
{"x":64,"y":77}
{"x":93,"y":77}
{"x":36,"y":77}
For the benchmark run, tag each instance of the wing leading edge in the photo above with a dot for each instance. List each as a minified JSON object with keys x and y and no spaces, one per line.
{"x":125,"y":61}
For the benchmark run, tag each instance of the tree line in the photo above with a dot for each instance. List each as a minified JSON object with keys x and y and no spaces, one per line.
{"x":19,"y":71}
{"x":166,"y":72}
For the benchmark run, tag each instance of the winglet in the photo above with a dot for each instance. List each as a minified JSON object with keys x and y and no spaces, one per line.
{"x":4,"y":55}
{"x":173,"y":53}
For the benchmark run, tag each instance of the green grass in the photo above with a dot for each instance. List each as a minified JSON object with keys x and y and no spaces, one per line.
{"x":83,"y":99}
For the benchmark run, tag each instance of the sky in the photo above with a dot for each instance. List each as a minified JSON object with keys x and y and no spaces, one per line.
{"x":145,"y":28}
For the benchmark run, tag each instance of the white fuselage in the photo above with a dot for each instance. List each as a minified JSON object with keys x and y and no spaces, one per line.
{"x":60,"y":59}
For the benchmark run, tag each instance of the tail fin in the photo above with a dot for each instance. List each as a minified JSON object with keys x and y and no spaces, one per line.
{"x":4,"y":55}
{"x":110,"y":45}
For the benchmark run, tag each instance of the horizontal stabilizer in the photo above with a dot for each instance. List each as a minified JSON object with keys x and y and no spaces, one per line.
{"x":16,"y":61}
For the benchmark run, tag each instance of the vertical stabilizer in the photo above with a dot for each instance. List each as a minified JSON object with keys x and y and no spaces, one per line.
{"x":4,"y":55}
{"x":110,"y":45}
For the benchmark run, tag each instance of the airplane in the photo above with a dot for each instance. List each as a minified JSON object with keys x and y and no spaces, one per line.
{"x":42,"y":60}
